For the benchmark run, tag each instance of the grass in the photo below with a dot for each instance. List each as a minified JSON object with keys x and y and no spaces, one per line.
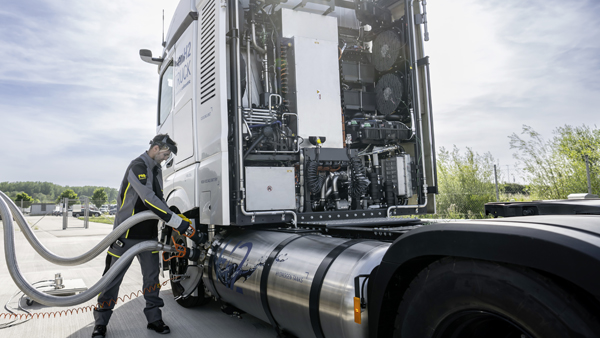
{"x":101,"y":219}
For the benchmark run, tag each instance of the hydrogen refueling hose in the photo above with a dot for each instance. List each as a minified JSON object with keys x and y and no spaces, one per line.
{"x":49,"y":300}
{"x":85,"y":257}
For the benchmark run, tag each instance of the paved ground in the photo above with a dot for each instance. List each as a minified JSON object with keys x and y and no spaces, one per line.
{"x":128,"y":319}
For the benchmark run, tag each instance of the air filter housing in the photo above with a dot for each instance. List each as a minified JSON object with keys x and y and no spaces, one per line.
{"x":386,"y":49}
{"x":389,"y":92}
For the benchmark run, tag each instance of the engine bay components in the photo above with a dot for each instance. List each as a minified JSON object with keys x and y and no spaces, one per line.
{"x":389,"y":92}
{"x":386,"y":49}
{"x":330,"y":105}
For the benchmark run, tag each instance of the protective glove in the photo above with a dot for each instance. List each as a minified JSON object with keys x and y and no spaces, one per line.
{"x":179,"y":223}
{"x":187,"y":229}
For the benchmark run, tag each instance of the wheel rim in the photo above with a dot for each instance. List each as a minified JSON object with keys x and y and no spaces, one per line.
{"x":477,"y":323}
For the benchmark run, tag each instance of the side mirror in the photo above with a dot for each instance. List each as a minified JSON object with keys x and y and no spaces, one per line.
{"x":146,"y":56}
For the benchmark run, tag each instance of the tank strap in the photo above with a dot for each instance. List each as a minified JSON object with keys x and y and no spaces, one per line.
{"x":264,"y":278}
{"x":317,"y":284}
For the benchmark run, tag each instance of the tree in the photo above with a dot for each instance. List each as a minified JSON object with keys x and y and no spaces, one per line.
{"x":23,"y":200}
{"x":556,"y":168}
{"x":99,"y":197}
{"x":23,"y":196}
{"x":466,"y":183}
{"x":70,"y":194}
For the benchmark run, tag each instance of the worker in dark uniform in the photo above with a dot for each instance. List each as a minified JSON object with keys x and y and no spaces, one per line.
{"x":141,"y":189}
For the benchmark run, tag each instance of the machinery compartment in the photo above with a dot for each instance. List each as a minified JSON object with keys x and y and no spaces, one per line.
{"x":270,"y":188}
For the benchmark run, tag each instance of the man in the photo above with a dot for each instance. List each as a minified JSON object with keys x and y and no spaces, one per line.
{"x":141,"y":189}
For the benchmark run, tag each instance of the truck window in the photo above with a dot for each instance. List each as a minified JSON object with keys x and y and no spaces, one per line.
{"x":166,"y":94}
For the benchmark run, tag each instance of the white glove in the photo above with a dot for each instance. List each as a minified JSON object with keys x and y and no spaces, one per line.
{"x":175,"y":221}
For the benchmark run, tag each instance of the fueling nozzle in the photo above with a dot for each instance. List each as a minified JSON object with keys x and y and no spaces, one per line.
{"x":192,"y":254}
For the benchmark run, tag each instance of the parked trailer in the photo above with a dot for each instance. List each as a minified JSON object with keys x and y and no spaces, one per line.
{"x":304,"y":131}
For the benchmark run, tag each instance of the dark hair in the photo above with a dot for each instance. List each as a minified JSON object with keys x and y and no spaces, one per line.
{"x":163,"y":140}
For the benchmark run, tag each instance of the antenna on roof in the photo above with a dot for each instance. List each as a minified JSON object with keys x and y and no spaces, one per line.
{"x":164,"y":43}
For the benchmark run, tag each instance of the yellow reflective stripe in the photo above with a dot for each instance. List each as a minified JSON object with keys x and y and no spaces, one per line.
{"x":155,"y":206}
{"x":155,"y":252}
{"x":125,"y":194}
{"x":133,"y":212}
{"x":127,"y":234}
{"x":112,"y":254}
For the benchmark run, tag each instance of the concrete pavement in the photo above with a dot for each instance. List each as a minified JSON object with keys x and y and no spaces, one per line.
{"x":128,"y":319}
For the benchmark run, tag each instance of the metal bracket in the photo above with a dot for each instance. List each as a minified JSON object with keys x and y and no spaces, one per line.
{"x":423,"y":62}
{"x":234,"y":33}
{"x":330,"y":3}
{"x":420,"y":19}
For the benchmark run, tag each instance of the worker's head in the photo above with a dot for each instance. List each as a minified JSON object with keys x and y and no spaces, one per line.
{"x":162,"y":148}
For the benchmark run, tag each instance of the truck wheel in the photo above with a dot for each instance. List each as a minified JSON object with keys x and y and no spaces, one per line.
{"x":178,"y":266}
{"x":470,"y":298}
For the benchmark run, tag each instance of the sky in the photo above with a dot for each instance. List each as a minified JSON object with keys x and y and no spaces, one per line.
{"x":77,"y":104}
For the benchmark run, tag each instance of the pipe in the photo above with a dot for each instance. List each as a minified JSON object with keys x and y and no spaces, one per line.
{"x":211,"y":232}
{"x":249,"y":76}
{"x":48,"y":300}
{"x":301,"y":181}
{"x":324,"y":189}
{"x":236,"y":94}
{"x":416,"y":103}
{"x":83,"y":258}
{"x":235,"y":45}
{"x":254,"y":44}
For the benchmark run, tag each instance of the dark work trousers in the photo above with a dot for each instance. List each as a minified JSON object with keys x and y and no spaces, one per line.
{"x":150,"y":270}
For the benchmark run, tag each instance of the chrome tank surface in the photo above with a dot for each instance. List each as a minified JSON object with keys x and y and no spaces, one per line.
{"x":303,"y":282}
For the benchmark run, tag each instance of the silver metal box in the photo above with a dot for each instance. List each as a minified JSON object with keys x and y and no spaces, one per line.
{"x":317,"y":85}
{"x":404,"y":188}
{"x":270,"y":188}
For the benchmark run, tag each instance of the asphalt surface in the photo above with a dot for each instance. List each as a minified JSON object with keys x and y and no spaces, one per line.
{"x":128,"y":319}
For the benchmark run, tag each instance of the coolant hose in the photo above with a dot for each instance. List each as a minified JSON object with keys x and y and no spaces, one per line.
{"x":83,"y":258}
{"x":48,"y":300}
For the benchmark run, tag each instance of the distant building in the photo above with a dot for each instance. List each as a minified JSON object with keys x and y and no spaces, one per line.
{"x":42,"y":208}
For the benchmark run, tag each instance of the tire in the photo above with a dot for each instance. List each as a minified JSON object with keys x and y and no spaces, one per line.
{"x":466,"y":298}
{"x":177,"y":267}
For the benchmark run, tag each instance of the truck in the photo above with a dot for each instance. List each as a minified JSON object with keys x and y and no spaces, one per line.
{"x":307,"y":159}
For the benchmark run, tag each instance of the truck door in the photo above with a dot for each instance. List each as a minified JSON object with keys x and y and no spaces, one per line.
{"x":183,"y":71}
{"x":164,"y":117}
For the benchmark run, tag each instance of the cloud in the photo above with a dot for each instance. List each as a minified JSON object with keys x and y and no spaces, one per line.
{"x":76,"y":102}
{"x":497,"y":65}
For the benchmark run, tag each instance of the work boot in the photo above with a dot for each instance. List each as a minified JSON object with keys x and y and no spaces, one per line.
{"x":99,"y":331}
{"x":159,"y":326}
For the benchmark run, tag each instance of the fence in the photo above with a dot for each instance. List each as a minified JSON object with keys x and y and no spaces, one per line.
{"x":82,"y":207}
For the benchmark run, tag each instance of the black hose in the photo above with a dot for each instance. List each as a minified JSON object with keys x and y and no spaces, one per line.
{"x":254,"y":144}
{"x":359,"y":182}
{"x":315,"y":182}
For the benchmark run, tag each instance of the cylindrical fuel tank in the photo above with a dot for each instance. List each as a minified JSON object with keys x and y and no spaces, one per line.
{"x":302,"y":282}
